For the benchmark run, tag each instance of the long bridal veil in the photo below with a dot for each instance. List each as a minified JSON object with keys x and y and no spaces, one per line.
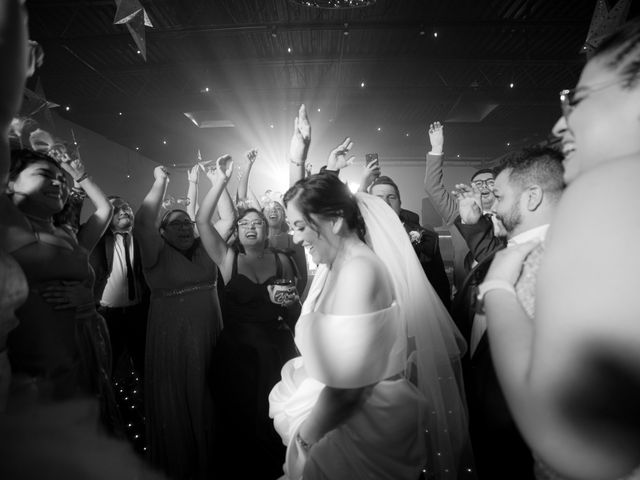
{"x":434,"y":344}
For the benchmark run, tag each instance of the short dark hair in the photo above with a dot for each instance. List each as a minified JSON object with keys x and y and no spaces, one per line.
{"x":165,"y":218}
{"x":384,"y":180}
{"x":483,"y":170}
{"x":536,"y":165}
{"x":625,"y":43}
{"x":22,"y":158}
{"x":327,"y":196}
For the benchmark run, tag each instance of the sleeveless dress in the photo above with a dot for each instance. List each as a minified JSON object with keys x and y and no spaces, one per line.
{"x":383,"y":439}
{"x":254,"y":345}
{"x":184,"y":322}
{"x":55,"y":354}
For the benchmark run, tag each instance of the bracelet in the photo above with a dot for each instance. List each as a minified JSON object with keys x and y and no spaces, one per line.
{"x":433,"y":153}
{"x":303,"y":444}
{"x":82,"y":177}
{"x":297,"y":164}
{"x":489,"y":285}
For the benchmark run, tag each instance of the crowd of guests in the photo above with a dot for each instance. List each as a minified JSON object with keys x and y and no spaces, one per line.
{"x":525,"y":366}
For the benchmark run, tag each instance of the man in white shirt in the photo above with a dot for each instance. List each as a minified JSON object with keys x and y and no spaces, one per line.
{"x":120,"y":287}
{"x":527,"y":188}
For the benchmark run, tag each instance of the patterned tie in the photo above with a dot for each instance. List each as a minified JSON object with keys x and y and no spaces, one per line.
{"x":131,"y":283}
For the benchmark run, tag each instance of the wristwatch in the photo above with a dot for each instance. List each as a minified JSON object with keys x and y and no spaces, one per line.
{"x":489,"y":285}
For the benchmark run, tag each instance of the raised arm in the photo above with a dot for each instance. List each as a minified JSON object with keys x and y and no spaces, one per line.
{"x":192,"y":191}
{"x":370,"y":172}
{"x":147,"y":219}
{"x":444,"y":203}
{"x":90,"y":232}
{"x":14,"y":64}
{"x":299,"y":146}
{"x":227,"y":214}
{"x":338,"y":157}
{"x":243,"y":180}
{"x":213,"y":243}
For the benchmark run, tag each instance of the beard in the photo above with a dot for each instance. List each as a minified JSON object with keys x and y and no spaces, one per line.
{"x":512,"y":219}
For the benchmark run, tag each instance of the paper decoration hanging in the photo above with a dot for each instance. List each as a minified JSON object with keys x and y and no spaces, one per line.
{"x":132,"y":14}
{"x":604,"y":22}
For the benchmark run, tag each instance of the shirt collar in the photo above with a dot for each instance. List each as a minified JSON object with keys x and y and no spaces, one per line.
{"x":537,"y":233}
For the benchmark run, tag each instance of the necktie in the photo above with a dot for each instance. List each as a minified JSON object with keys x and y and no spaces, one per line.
{"x":131,"y":284}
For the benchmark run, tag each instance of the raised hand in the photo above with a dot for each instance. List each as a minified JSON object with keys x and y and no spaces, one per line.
{"x":252,"y":155}
{"x":370,"y":172}
{"x":74,"y":167}
{"x":301,"y":137}
{"x":222,"y":170}
{"x":469,"y":203}
{"x":160,"y":173}
{"x":302,"y":127}
{"x":338,"y":156}
{"x":436,"y":137}
{"x":193,"y":173}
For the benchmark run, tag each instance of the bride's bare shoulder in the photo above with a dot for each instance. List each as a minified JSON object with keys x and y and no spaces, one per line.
{"x":362,"y":285}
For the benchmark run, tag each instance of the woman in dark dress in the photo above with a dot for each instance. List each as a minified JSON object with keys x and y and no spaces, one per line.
{"x":184,"y":322}
{"x":259,"y":310}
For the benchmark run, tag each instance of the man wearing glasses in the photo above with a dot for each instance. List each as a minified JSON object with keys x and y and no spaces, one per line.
{"x":446,"y":204}
{"x":120,"y":288}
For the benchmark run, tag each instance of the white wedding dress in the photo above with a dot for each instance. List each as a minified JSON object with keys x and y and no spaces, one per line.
{"x":401,"y":428}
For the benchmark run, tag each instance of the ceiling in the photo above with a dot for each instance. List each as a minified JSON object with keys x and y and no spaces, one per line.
{"x":490,"y":70}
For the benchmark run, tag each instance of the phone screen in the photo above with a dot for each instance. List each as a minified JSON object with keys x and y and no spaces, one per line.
{"x":370,"y":157}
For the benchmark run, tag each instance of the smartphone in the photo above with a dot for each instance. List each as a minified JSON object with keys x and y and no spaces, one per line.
{"x":370,"y":157}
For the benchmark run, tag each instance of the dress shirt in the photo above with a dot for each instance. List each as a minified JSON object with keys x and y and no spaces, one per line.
{"x":116,"y":292}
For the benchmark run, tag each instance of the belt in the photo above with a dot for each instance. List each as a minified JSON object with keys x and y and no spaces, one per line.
{"x":119,"y":309}
{"x":167,"y":292}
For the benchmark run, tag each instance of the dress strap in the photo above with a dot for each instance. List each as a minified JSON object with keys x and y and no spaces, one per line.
{"x":278,"y":265}
{"x":234,"y":267}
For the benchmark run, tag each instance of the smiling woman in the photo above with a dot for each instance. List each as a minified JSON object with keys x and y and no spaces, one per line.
{"x":183,"y":325}
{"x":61,"y":346}
{"x":257,"y":339}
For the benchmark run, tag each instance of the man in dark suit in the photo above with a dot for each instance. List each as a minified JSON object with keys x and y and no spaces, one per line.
{"x":425,"y":242}
{"x":120,"y":289}
{"x":528,"y":186}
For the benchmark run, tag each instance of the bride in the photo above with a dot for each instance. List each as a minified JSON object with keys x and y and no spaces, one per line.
{"x":379,"y":364}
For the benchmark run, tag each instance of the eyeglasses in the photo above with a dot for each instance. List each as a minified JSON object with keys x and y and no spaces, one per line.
{"x":568,"y":97}
{"x":252,"y":223}
{"x":181,"y":223}
{"x":487,"y":183}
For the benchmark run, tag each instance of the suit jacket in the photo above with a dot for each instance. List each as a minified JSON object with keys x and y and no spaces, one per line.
{"x":447,"y":206}
{"x":427,"y":248}
{"x":500,"y":450}
{"x":101,"y":260}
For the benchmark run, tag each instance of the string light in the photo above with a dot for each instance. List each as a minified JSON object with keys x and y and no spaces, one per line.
{"x":362,"y":85}
{"x":288,"y":49}
{"x":379,"y":129}
{"x":67,"y":108}
{"x":164,"y":142}
{"x":511,"y":85}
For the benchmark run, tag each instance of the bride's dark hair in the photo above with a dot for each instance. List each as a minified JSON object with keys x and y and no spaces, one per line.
{"x":325,"y":195}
